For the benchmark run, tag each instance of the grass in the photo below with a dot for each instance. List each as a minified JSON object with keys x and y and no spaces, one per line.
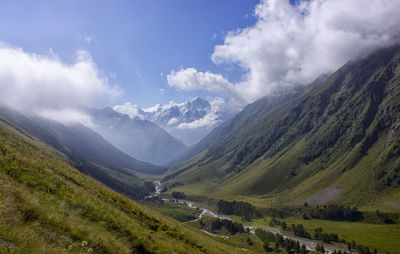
{"x":47,"y":206}
{"x":383,"y":237}
{"x":174,"y":210}
{"x":195,"y":189}
{"x":239,"y":240}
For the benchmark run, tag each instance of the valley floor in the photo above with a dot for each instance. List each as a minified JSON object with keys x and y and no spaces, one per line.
{"x":382,"y":237}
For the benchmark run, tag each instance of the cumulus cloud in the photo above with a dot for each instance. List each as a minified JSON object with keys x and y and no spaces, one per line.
{"x":44,"y":85}
{"x":292,"y":45}
{"x":191,"y":79}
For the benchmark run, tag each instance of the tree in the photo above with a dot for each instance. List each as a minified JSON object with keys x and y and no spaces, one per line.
{"x":266,"y":246}
{"x":297,"y":246}
{"x":284,"y":225}
{"x":320,"y":248}
{"x":303,"y":249}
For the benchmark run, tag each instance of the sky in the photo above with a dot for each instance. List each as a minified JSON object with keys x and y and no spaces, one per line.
{"x":59,"y":56}
{"x":134,"y":43}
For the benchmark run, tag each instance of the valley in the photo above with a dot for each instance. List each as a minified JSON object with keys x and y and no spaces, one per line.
{"x":375,"y":235}
{"x":258,"y":158}
{"x":250,"y":228}
{"x":301,"y":172}
{"x":209,"y":127}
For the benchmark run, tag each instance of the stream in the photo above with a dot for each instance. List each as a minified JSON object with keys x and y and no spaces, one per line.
{"x":310,"y":244}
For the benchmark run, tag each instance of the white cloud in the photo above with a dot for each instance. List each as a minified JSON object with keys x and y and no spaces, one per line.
{"x":172,"y":121}
{"x":293,"y":45}
{"x":41,"y":84}
{"x":190,"y":79}
{"x":132,"y":110}
{"x":68,"y":116}
{"x":208,"y":120}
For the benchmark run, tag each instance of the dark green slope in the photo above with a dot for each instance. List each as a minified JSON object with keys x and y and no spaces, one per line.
{"x":47,"y":206}
{"x":89,"y":152}
{"x":342,"y":135}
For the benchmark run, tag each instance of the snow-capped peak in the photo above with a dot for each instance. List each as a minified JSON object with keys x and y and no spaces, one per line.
{"x":196,"y":114}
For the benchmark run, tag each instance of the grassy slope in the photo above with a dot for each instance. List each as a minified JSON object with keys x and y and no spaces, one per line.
{"x":177,"y":211}
{"x":48,"y":206}
{"x":330,"y":144}
{"x":89,"y":152}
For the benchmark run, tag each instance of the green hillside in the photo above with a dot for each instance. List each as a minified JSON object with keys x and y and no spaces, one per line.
{"x":338,"y":141}
{"x":88,"y":151}
{"x":47,"y":206}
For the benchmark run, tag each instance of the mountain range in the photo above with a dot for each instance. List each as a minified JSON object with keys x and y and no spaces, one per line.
{"x":335,"y":140}
{"x":295,"y":155}
{"x":188,"y":121}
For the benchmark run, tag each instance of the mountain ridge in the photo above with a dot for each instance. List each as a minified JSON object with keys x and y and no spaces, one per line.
{"x":289,"y":146}
{"x":138,"y":138}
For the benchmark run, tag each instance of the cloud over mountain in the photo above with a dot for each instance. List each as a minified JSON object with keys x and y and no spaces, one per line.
{"x":46,"y":86}
{"x":190,"y":79}
{"x":293,"y":44}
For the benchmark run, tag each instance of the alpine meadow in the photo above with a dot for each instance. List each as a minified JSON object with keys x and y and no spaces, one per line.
{"x":172,"y":126}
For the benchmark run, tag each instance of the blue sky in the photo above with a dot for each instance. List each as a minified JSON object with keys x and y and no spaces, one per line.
{"x":132,"y":42}
{"x":158,"y":51}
